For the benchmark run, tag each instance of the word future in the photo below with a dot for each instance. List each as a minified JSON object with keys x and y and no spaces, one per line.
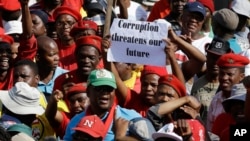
{"x":137,"y":53}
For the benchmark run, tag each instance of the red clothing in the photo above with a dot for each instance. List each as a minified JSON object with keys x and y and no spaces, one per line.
{"x":60,"y":131}
{"x":77,"y":4}
{"x":160,"y":10}
{"x":197,"y":129}
{"x":135,"y":101}
{"x":221,"y":122}
{"x":26,"y":50}
{"x":61,"y":79}
{"x":67,"y":56}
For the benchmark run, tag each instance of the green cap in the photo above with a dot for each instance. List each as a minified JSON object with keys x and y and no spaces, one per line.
{"x":102,"y":77}
{"x":21,"y":128}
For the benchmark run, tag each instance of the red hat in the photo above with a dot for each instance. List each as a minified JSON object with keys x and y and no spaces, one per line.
{"x":91,"y":125}
{"x":92,"y":40}
{"x":209,"y":4}
{"x":77,"y":88}
{"x":10,"y":5}
{"x":174,"y":82}
{"x":67,"y":10}
{"x":232,"y":60}
{"x":147,"y":69}
{"x":6,"y":38}
{"x":83,"y":25}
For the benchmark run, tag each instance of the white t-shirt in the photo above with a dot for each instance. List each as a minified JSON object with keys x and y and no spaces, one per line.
{"x":135,"y":12}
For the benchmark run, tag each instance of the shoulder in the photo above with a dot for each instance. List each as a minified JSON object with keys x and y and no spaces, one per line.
{"x":126,"y":113}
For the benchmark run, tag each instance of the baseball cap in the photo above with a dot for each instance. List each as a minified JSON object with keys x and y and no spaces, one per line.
{"x":141,"y":128}
{"x":241,"y":7}
{"x":101,"y":77}
{"x":238,"y":92}
{"x":91,"y":125}
{"x":195,"y":7}
{"x":22,"y":99}
{"x":21,"y":128}
{"x":167,"y":131}
{"x":218,"y":46}
{"x":226,"y":18}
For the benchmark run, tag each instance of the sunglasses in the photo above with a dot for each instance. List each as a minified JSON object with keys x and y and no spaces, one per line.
{"x":103,"y":89}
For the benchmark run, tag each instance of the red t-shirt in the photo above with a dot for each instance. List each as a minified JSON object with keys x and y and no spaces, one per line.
{"x":135,"y":101}
{"x":67,"y":56}
{"x":223,"y":121}
{"x":60,"y":131}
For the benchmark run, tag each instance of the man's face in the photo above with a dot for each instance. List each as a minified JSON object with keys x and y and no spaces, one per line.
{"x":78,"y":102}
{"x":212,"y":67}
{"x":49,"y":57}
{"x":101,"y":97}
{"x":87,"y":59}
{"x":24,"y":73}
{"x":192,"y":22}
{"x":64,"y":23}
{"x":177,"y":6}
{"x":5,"y":57}
{"x":228,"y":77}
{"x":149,"y":85}
{"x":165,"y":93}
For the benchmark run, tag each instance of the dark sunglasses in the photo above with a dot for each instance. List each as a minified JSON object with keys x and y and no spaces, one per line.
{"x":103,"y":89}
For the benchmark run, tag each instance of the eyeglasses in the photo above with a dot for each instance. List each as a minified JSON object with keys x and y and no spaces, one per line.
{"x":103,"y":89}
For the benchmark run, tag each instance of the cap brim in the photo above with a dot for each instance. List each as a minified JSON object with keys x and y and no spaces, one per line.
{"x":17,"y":108}
{"x":104,"y":83}
{"x":167,"y":135}
{"x":90,"y":132}
{"x":148,"y":3}
{"x":195,"y":10}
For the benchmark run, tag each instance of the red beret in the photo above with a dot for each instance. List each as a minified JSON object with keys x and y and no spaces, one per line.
{"x":174,"y":82}
{"x":77,"y":88}
{"x":147,"y":69}
{"x":67,"y":10}
{"x":6,"y":39}
{"x":232,"y":60}
{"x":83,"y":25}
{"x":209,"y":4}
{"x":10,"y":5}
{"x":91,"y":40}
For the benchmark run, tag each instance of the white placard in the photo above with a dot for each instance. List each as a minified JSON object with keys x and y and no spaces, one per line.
{"x":138,"y":42}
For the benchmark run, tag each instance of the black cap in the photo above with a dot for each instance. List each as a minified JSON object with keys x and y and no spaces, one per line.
{"x":218,"y":46}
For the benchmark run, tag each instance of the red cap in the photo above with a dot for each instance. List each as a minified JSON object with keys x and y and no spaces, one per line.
{"x":83,"y":25}
{"x":161,"y":71}
{"x":77,"y":88}
{"x":66,"y":10}
{"x":174,"y":82}
{"x":91,"y":125}
{"x":91,"y":40}
{"x":209,"y":4}
{"x":10,"y":5}
{"x":6,"y":38}
{"x":232,"y":60}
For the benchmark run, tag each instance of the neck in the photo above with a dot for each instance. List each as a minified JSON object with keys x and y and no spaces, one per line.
{"x":46,"y":74}
{"x":212,"y":78}
{"x":3,"y":74}
{"x":226,"y":94}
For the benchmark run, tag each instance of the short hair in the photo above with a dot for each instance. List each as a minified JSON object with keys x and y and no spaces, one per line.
{"x":31,"y":64}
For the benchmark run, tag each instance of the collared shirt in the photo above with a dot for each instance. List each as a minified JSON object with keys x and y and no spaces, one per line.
{"x":48,"y":88}
{"x":215,"y":109}
{"x":120,"y":112}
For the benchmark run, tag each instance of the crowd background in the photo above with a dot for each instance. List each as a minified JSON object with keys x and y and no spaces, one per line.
{"x":56,"y":82}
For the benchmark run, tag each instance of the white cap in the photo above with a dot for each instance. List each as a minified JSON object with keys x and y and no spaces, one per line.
{"x":13,"y":27}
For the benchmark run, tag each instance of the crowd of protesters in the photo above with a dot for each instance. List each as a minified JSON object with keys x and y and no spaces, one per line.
{"x":56,"y":82}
